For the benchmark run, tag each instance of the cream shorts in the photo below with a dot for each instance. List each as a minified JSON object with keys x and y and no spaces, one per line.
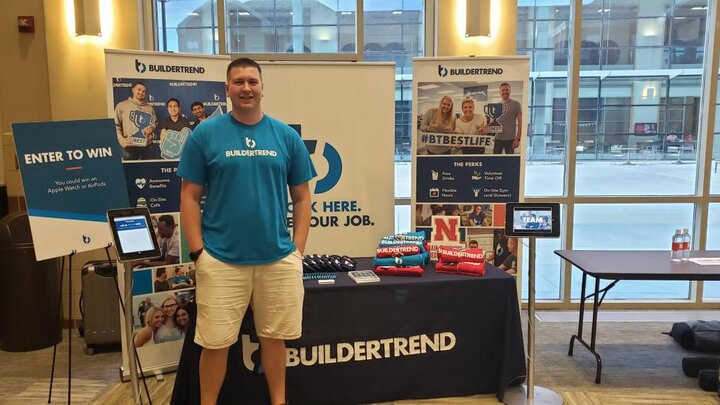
{"x":223,"y":292}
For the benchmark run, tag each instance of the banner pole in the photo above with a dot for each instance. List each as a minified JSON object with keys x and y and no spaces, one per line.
{"x":530,"y":394}
{"x":132,"y":362}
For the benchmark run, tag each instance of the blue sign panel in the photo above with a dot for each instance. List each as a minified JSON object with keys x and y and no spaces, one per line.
{"x":467,"y":179}
{"x":154,"y":185}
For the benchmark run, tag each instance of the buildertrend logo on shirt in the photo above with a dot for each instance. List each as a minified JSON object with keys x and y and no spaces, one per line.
{"x":251,"y":144}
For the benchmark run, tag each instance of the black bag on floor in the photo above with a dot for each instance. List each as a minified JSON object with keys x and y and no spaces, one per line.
{"x":703,"y":336}
{"x":693,"y":365}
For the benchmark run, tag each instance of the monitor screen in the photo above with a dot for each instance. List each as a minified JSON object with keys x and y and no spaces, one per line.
{"x":133,"y":234}
{"x":532,"y":219}
{"x":645,"y":128}
{"x":540,"y":220}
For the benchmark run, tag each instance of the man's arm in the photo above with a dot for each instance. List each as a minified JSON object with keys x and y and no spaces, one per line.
{"x":148,"y":131}
{"x":181,"y":284}
{"x":122,"y":139}
{"x":190,"y":194}
{"x":425,"y":124}
{"x":169,"y":259}
{"x":301,"y":199}
{"x":516,"y":142}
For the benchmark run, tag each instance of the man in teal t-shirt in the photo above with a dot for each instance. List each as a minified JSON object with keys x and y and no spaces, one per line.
{"x":245,"y":162}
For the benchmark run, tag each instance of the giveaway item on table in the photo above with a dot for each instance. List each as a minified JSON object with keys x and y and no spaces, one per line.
{"x":405,"y":237}
{"x":414,"y":260}
{"x":363,"y":276}
{"x":324,"y":263}
{"x":450,"y":254}
{"x":408,"y":271}
{"x":401,"y":255}
{"x":471,"y":268}
{"x":442,"y":267}
{"x":470,"y":262}
{"x":319,"y":276}
{"x":399,"y":250}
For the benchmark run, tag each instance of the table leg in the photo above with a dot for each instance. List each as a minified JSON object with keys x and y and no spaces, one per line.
{"x":581,"y":315}
{"x":627,"y":161}
{"x":593,"y":334}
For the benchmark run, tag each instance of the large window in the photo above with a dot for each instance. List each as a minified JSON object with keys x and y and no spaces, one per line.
{"x":637,"y":140}
{"x":290,"y":26}
{"x":316,"y":29}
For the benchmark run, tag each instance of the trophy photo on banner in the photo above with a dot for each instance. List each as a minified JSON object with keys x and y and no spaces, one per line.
{"x":494,"y":111}
{"x":142,"y":120}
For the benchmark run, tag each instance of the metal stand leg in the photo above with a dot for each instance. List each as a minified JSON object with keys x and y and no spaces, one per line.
{"x":70,"y":329}
{"x":530,"y":394}
{"x":132,"y":362}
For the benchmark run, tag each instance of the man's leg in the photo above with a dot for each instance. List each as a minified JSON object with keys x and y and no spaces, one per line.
{"x":213,"y":364}
{"x":273,"y":361}
{"x":222,"y":296}
{"x":277,"y":308}
{"x":497,"y":147}
{"x":509,"y":150}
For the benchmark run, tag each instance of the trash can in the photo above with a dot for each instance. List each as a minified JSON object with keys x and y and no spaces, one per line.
{"x":29,"y":290}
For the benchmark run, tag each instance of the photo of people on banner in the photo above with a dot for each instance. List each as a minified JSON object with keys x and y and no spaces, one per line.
{"x":161,"y":318}
{"x":154,"y":117}
{"x":469,"y":118}
{"x":500,"y":250}
{"x":471,"y":215}
{"x":167,"y":231}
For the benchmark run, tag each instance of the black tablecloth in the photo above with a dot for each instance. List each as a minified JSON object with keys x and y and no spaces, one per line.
{"x":440,"y":335}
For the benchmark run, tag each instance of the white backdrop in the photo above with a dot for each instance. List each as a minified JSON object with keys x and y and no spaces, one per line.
{"x":348,"y":108}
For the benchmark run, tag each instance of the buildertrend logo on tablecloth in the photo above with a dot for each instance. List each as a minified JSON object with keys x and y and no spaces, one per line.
{"x":365,"y":350}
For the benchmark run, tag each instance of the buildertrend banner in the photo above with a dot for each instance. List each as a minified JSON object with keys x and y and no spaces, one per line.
{"x":72,"y":174}
{"x":469,"y":147}
{"x":155,"y":101}
{"x":348,"y":127}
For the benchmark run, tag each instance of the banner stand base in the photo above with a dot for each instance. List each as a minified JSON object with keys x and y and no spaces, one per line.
{"x":519,"y":396}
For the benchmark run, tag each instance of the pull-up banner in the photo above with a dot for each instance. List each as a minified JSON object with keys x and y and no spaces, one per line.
{"x":469,"y":146}
{"x":72,"y":174}
{"x":155,"y":101}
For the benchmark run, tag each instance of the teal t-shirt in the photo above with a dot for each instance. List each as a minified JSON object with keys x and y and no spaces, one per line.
{"x":246,"y":171}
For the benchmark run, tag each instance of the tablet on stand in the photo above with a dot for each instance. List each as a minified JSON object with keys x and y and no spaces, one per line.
{"x":135,"y":240}
{"x":532,"y":220}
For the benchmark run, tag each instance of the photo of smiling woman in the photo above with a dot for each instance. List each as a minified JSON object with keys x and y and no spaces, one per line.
{"x":440,"y":119}
{"x":470,"y":123}
{"x":153,"y":321}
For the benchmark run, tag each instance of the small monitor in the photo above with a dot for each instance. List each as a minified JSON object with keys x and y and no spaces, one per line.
{"x":645,"y":128}
{"x":133,"y":234}
{"x":540,"y":220}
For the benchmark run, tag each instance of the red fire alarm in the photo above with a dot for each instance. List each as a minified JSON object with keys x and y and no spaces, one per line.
{"x":26,"y":23}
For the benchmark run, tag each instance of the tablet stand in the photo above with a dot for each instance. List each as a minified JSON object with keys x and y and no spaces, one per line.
{"x":530,"y":394}
{"x":132,"y":355}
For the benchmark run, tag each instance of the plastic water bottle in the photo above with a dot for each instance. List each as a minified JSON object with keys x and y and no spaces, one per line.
{"x":686,"y":240}
{"x":677,"y":243}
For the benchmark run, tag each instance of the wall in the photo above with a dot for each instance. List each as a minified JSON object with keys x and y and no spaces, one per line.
{"x":53,"y":75}
{"x":24,"y":83}
{"x":76,"y":65}
{"x":451,"y":40}
{"x":76,"y":70}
